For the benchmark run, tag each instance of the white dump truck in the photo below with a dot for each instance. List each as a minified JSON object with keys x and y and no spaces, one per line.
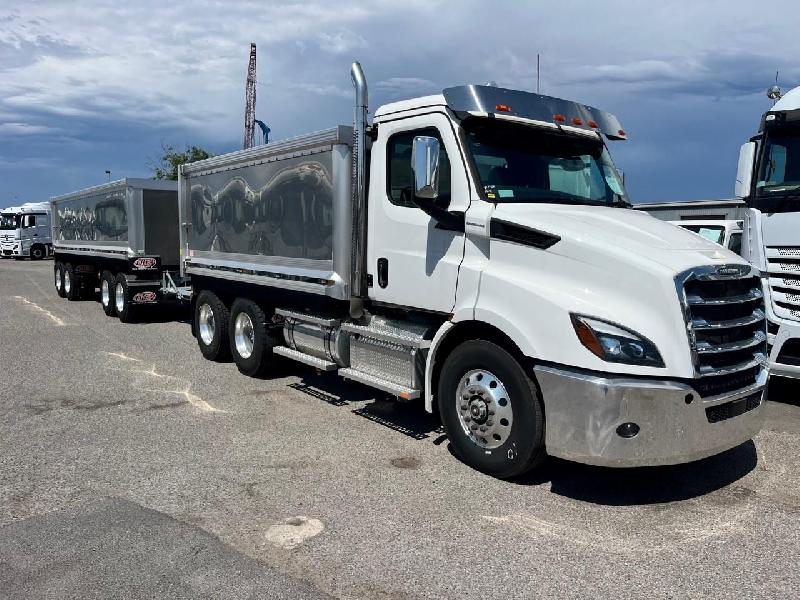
{"x":120,"y":237}
{"x":25,"y":231}
{"x":768,"y":179}
{"x":475,"y":249}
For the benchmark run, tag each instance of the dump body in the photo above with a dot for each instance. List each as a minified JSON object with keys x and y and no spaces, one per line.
{"x":276,"y":215}
{"x":119,"y":220}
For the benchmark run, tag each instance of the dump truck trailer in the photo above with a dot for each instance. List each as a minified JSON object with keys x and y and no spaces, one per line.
{"x":121,"y":237}
{"x":475,"y":249}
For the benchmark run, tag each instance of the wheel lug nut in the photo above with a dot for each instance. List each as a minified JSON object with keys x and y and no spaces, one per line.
{"x":474,"y":428}
{"x":483,"y":427}
{"x":490,"y":422}
{"x":491,"y":412}
{"x":464,"y":407}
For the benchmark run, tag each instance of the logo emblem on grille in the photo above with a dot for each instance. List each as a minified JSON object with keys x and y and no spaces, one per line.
{"x":731,"y":270}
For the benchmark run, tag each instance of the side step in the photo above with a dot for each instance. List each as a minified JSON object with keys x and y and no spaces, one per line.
{"x":402,"y":392}
{"x":313,"y":361}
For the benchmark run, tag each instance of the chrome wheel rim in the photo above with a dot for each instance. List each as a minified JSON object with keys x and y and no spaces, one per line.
{"x":105,"y":292}
{"x":67,"y":282}
{"x":57,"y":274}
{"x":119,"y":297}
{"x":244,"y":335}
{"x":484,"y":409}
{"x":205,"y":324}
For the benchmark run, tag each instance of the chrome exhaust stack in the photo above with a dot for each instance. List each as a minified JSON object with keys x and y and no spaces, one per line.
{"x":358,"y":272}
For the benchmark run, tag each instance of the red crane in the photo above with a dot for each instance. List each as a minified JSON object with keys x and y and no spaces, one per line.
{"x":250,"y":100}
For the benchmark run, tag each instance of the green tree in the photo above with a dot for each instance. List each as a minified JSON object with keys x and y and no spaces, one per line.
{"x":166,"y":166}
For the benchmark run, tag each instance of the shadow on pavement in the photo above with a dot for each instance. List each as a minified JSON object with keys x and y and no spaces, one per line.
{"x":644,"y":485}
{"x":784,"y":390}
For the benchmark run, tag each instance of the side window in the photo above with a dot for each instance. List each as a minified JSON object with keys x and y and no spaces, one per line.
{"x":29,"y":221}
{"x":400,"y":175}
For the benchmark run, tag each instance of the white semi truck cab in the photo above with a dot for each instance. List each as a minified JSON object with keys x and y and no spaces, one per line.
{"x":25,"y":231}
{"x":768,"y":179}
{"x":475,"y":249}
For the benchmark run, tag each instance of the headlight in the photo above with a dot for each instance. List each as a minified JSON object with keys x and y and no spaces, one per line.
{"x":614,"y":343}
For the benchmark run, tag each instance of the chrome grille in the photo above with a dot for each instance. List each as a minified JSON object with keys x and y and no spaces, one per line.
{"x":726,"y":324}
{"x":784,"y":290}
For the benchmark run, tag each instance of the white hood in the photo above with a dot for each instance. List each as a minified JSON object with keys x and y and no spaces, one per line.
{"x":597,"y":233}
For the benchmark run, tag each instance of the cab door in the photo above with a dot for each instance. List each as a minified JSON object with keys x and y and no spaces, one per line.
{"x":410,"y":261}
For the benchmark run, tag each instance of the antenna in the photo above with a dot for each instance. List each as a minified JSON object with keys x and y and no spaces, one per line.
{"x":774,"y":91}
{"x":250,"y":100}
{"x":537,"y":72}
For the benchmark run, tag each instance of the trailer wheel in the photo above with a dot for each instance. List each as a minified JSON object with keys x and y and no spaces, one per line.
{"x":122,"y":299}
{"x":251,"y":345}
{"x":211,"y":318}
{"x":107,"y":293}
{"x":37,"y":252}
{"x":58,"y":275}
{"x":72,"y":285}
{"x":491,"y":410}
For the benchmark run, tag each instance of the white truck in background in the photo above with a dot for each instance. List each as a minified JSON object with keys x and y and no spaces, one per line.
{"x":768,"y":179}
{"x":25,"y":231}
{"x":727,"y":234}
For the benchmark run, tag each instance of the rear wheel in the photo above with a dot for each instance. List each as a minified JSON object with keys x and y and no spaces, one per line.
{"x":491,"y":410}
{"x":122,"y":299}
{"x":211,"y":318}
{"x":72,"y":286}
{"x":108,"y":293}
{"x":58,"y":276}
{"x":251,"y":346}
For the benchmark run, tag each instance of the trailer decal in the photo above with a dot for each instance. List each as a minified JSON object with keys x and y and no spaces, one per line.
{"x":141,"y":264}
{"x":144,"y":298}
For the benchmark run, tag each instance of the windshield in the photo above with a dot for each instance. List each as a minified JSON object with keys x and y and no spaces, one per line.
{"x":714,"y":233}
{"x":517,"y":163}
{"x":779,"y":171}
{"x":9,"y":221}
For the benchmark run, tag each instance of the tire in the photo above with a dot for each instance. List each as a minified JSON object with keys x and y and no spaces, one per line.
{"x":72,"y":285}
{"x":251,"y":345}
{"x":484,"y":390}
{"x":38,"y":252}
{"x":211,"y":318}
{"x":107,"y":290}
{"x":58,"y":279}
{"x":122,"y":300}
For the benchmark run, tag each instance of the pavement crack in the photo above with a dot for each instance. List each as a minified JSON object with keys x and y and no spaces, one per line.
{"x":51,"y":316}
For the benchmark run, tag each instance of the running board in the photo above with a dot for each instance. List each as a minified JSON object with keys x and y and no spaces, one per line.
{"x":313,"y":361}
{"x":402,"y":392}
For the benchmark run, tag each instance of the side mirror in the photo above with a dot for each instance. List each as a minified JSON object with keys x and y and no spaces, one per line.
{"x":744,"y":172}
{"x":425,"y":164}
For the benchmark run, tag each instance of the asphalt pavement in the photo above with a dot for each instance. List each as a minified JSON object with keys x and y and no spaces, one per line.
{"x":130,"y":467}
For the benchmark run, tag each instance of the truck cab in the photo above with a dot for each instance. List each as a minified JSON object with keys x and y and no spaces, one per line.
{"x":25,"y":231}
{"x":768,"y":179}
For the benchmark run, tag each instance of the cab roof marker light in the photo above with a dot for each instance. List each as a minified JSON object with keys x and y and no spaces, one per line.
{"x":502,"y":108}
{"x":621,"y":132}
{"x":592,"y":124}
{"x":577,"y":121}
{"x":559,"y":118}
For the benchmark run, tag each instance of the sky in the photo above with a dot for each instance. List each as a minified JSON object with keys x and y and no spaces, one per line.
{"x":100,"y":85}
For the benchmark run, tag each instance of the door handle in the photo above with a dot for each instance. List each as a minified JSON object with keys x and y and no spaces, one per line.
{"x":383,"y":272}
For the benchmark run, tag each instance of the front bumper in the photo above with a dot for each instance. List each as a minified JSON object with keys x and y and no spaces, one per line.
{"x":584,"y":410}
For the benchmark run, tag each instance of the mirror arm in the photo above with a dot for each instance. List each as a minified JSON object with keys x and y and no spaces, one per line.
{"x":449,"y":221}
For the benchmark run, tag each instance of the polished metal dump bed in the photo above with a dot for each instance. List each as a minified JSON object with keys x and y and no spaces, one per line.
{"x":275,"y":215}
{"x":121,"y":219}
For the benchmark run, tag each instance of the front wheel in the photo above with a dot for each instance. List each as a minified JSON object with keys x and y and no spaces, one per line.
{"x":491,"y":410}
{"x":37,"y":252}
